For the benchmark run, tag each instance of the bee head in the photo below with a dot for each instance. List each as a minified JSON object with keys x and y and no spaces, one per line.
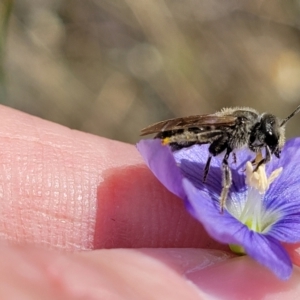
{"x":269,"y":131}
{"x":272,"y":133}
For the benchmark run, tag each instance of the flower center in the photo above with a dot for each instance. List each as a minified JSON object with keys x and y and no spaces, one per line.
{"x":252,"y":211}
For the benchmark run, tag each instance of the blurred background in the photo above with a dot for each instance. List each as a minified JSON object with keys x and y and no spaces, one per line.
{"x":112,"y":67}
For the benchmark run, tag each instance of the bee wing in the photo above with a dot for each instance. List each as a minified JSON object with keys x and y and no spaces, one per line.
{"x":189,"y":122}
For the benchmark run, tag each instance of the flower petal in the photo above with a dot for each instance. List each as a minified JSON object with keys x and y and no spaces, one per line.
{"x":192,"y":163}
{"x":283,"y":195}
{"x":269,"y":252}
{"x":226,"y":229}
{"x":161,"y":162}
{"x":202,"y":199}
{"x":290,"y":154}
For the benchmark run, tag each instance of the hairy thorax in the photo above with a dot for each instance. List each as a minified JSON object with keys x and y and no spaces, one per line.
{"x":241,"y":131}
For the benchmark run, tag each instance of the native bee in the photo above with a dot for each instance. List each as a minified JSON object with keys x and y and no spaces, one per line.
{"x":226,"y":131}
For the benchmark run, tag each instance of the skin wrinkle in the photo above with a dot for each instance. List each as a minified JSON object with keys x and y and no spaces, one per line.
{"x":60,"y":204}
{"x":179,"y":224}
{"x":31,"y":181}
{"x":6,"y":187}
{"x":152,"y":222}
{"x":83,"y":181}
{"x":157,"y":219}
{"x":78,"y":212}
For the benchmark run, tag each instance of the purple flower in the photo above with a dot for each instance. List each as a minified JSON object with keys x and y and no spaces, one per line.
{"x":256,"y":222}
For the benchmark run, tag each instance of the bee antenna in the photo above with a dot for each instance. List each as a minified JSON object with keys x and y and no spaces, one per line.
{"x":284,"y":121}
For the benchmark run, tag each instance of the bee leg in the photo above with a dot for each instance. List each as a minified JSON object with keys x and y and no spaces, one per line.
{"x":234,"y":157}
{"x":206,"y":169}
{"x":264,"y":160}
{"x":216,"y":148}
{"x":226,"y":180}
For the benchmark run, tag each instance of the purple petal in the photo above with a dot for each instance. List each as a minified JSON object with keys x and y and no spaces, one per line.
{"x":226,"y":229}
{"x":192,"y":162}
{"x":283,"y":195}
{"x":161,"y":162}
{"x":219,"y":225}
{"x":267,"y":251}
{"x":202,"y":199}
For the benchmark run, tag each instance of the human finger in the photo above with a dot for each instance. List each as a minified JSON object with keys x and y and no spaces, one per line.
{"x":70,"y":190}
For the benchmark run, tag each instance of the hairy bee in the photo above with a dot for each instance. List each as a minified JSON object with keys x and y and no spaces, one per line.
{"x":225,"y":131}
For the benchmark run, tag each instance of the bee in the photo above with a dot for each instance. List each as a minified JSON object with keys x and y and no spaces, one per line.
{"x":225,"y":131}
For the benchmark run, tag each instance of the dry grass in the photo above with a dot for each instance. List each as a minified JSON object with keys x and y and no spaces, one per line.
{"x":111,"y":67}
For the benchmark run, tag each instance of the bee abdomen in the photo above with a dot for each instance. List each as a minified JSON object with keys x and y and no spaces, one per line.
{"x":189,"y":137}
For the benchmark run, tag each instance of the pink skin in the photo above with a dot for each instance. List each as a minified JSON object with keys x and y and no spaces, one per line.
{"x":62,"y":191}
